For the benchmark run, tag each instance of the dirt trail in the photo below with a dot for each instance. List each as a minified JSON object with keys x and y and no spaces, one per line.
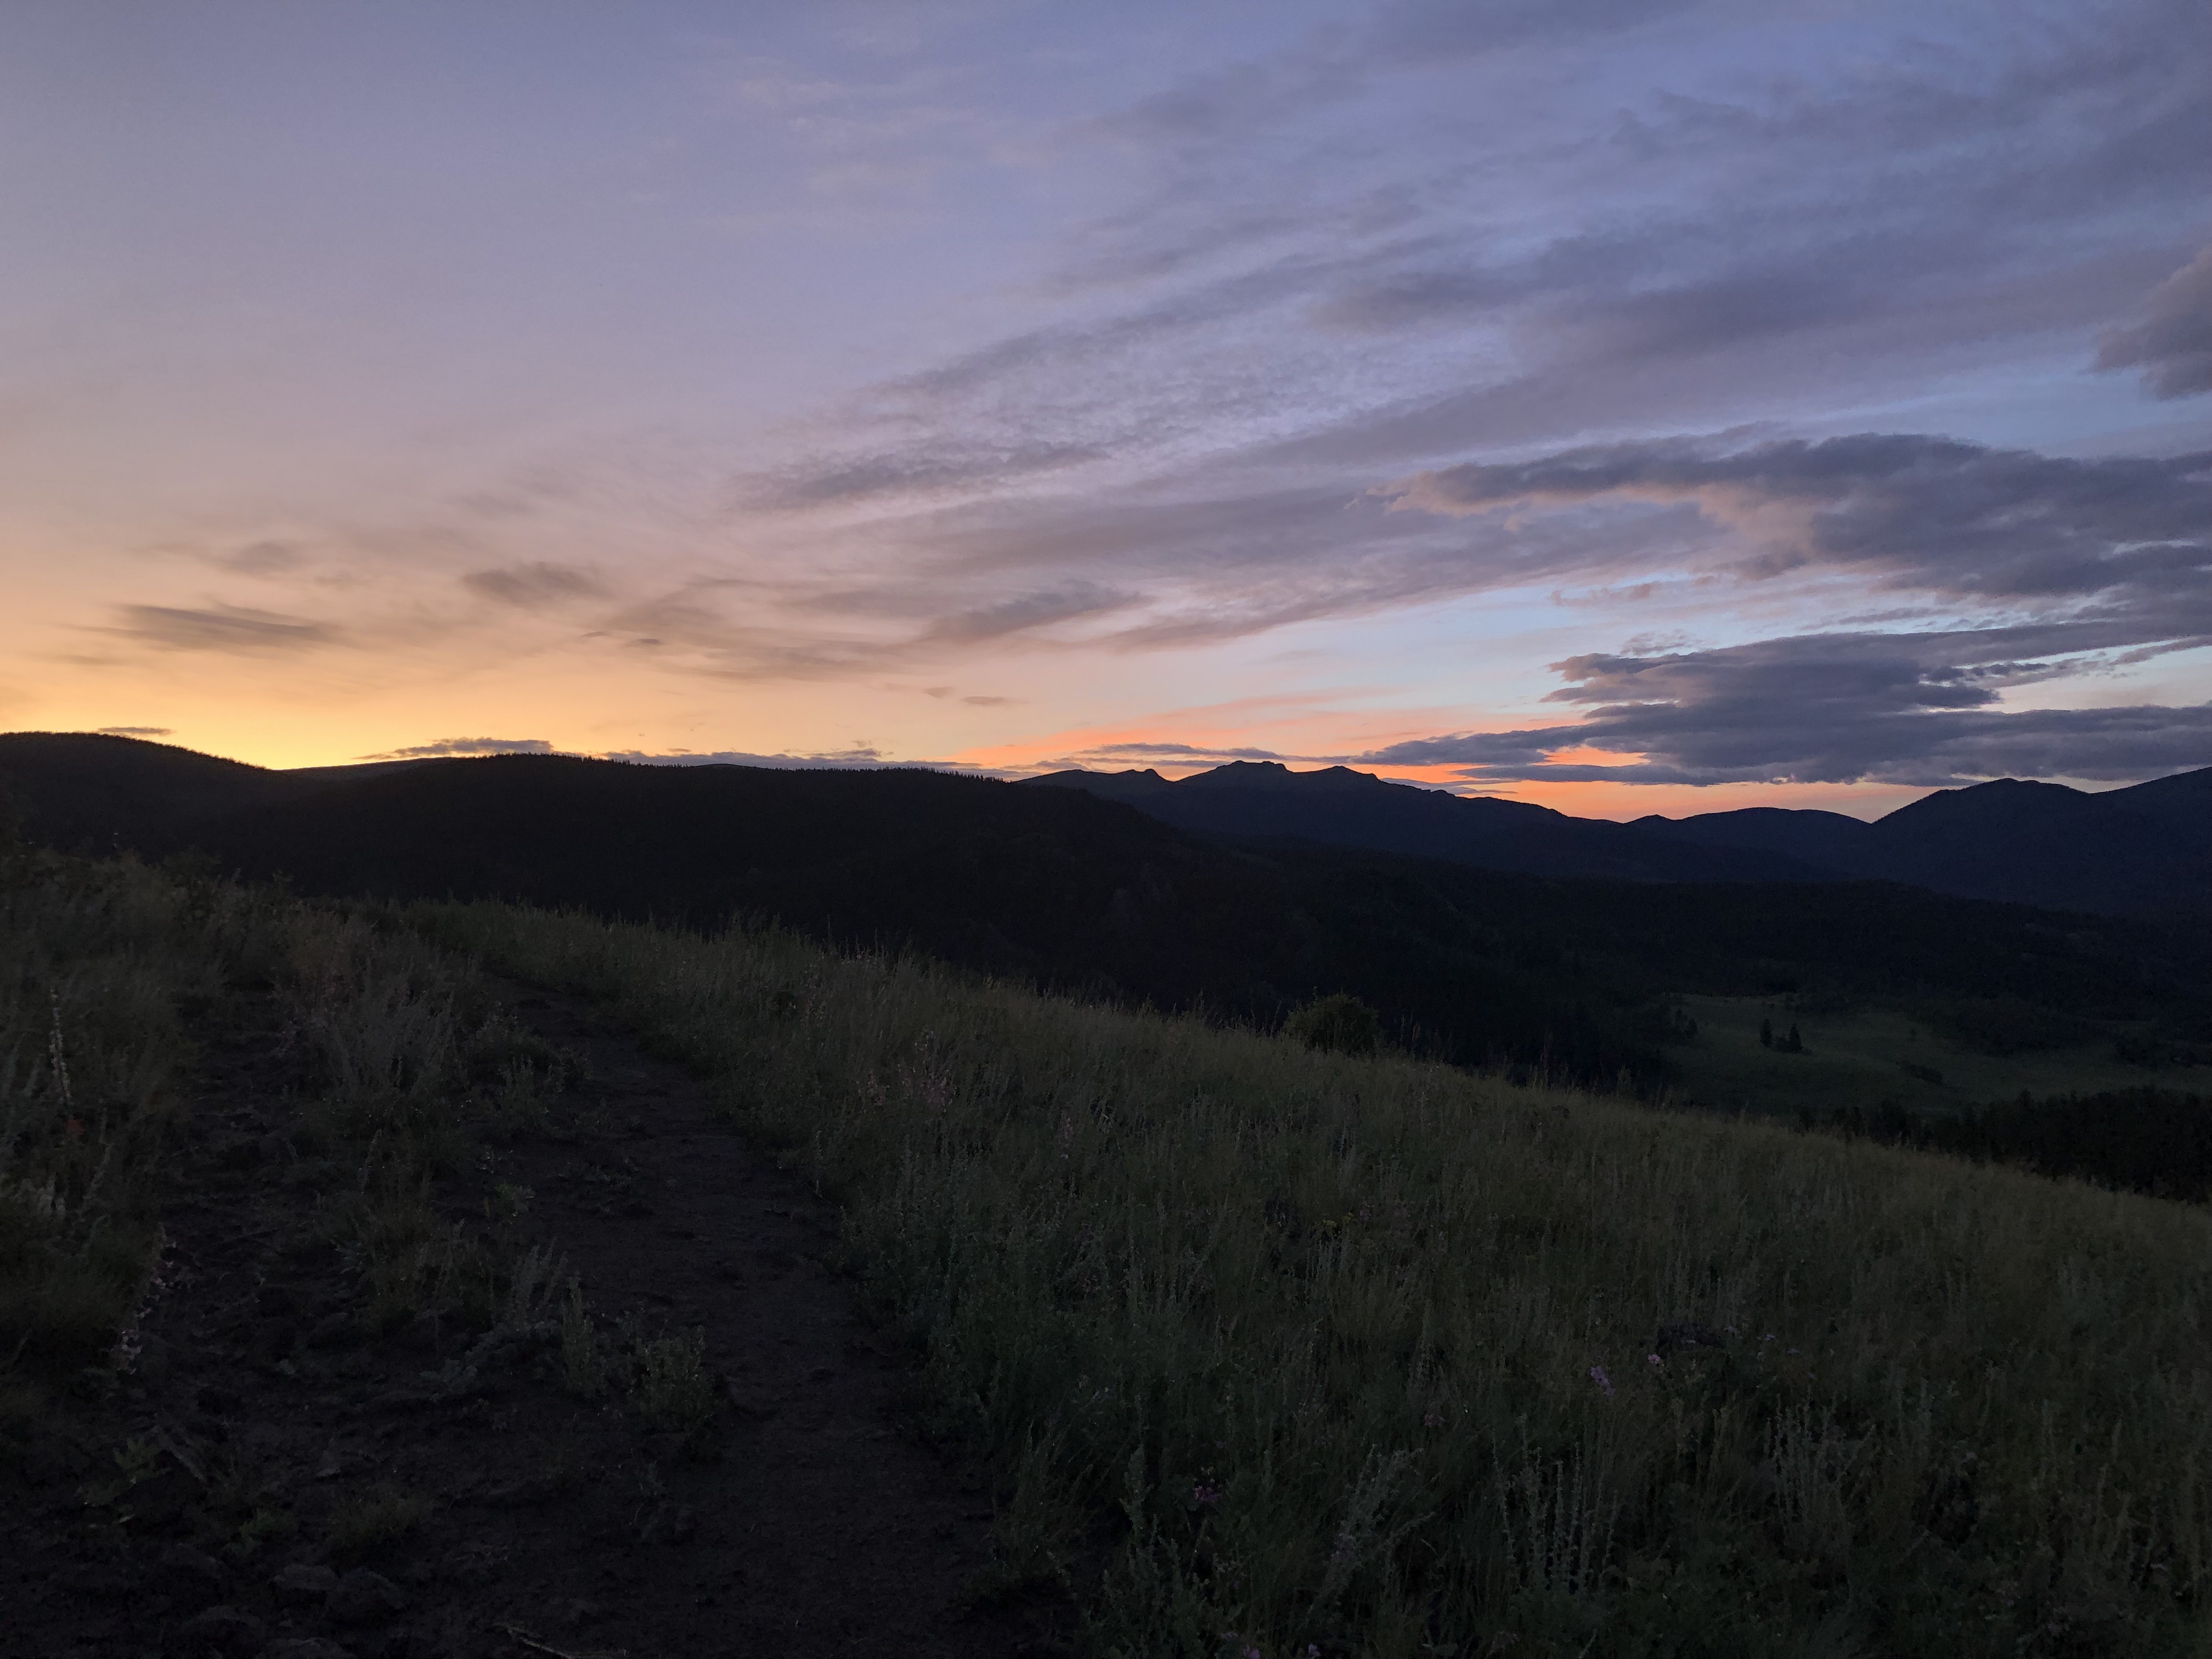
{"x":265,"y":1426}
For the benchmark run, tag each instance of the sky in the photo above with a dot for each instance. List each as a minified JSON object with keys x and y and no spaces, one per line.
{"x":1628,"y":406}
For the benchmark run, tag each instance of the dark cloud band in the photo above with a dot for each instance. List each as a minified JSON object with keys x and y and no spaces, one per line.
{"x":1823,"y":708}
{"x":235,"y":630}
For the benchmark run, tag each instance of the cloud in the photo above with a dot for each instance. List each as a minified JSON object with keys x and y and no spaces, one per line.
{"x":1422,"y":31}
{"x":237,"y":630}
{"x":450,"y":748}
{"x":1029,"y":611}
{"x":1917,"y":709}
{"x":135,"y":731}
{"x":1763,"y":224}
{"x":935,"y":468}
{"x":2089,"y":564}
{"x":1919,"y":512}
{"x":2173,"y":345}
{"x":865,"y":756}
{"x":531,"y":586}
{"x":263,"y":559}
{"x":1229,"y":107}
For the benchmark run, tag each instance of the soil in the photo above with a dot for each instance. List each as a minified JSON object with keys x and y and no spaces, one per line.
{"x":225,"y":1491}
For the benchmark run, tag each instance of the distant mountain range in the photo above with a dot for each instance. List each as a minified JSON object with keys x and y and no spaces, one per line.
{"x":2142,"y":850}
{"x":1246,"y":916}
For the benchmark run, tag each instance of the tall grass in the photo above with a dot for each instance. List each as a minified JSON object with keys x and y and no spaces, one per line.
{"x":1369,"y":1356}
{"x":111,"y":973}
{"x":98,"y":965}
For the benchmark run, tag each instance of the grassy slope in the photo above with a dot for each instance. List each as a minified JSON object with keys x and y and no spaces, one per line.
{"x":1364,"y":1351}
{"x":110,"y":972}
{"x":1855,"y":1057}
{"x":95,"y":963}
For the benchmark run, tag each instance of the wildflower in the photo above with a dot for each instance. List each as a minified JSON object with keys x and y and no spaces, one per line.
{"x":1653,"y":1359}
{"x":1204,"y":1496}
{"x":1598,"y":1377}
{"x":1433,"y":1420}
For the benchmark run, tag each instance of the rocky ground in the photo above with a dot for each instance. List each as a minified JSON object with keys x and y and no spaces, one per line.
{"x":270,"y":1475}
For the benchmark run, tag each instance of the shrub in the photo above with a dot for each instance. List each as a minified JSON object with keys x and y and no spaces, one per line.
{"x":584,"y":1358}
{"x":1336,"y":1025}
{"x":674,"y":1389}
{"x":378,"y":1517}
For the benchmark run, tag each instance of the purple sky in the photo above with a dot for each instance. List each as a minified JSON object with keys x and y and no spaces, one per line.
{"x":1628,"y":406}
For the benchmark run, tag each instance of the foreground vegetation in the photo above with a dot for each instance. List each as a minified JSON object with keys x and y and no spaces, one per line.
{"x":99,"y":967}
{"x":1369,"y":1356}
{"x":397,"y":1066}
{"x":1279,"y":1350}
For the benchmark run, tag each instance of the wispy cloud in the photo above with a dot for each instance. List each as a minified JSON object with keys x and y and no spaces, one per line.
{"x":454,"y":748}
{"x":229,"y":628}
{"x":2172,"y":344}
{"x":1917,"y":512}
{"x":533,"y":585}
{"x":858,"y":758}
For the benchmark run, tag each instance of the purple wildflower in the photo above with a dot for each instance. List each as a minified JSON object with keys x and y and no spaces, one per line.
{"x":1204,"y":1496}
{"x":1653,"y":1359}
{"x":1598,"y":1377}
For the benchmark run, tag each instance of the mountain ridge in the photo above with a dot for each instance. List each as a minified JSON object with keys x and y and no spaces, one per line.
{"x":2137,"y":850}
{"x":1092,"y":897}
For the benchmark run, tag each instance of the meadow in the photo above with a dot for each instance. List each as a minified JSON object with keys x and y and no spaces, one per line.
{"x":1273,"y":1351}
{"x":1858,"y":1055}
{"x":1281,"y":1351}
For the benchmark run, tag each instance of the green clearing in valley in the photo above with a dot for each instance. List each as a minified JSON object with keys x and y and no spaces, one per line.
{"x":1857,"y":1057}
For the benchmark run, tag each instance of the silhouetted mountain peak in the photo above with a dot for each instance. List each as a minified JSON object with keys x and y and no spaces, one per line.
{"x":1108,"y":786}
{"x":1833,"y":840}
{"x":2000,"y":796}
{"x":1273,"y":774}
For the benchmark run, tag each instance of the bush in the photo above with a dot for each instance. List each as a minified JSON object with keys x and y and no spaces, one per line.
{"x":675,"y":1389}
{"x":382,"y":1516}
{"x":1336,"y":1025}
